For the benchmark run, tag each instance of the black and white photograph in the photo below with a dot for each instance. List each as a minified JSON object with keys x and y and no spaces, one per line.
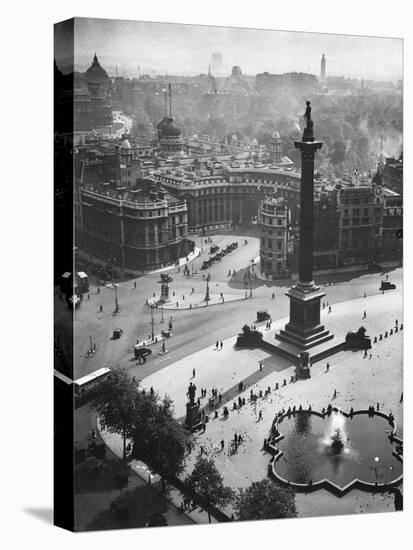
{"x":228,"y":277}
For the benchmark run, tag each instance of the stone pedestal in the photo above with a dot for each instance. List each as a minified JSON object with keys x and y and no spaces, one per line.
{"x":192,"y":415}
{"x":304,"y":329}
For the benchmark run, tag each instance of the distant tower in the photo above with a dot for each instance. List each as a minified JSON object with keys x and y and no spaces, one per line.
{"x":276,"y":148}
{"x":323,"y":68}
{"x":217,"y":62}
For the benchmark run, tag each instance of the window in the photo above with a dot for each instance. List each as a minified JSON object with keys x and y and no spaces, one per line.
{"x":356,"y":211}
{"x":280,"y":222}
{"x":279,"y":245}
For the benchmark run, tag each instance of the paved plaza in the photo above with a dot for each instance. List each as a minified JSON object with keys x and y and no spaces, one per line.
{"x":359,"y":382}
{"x":196,"y":332}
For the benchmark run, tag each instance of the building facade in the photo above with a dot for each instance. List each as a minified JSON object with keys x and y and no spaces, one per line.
{"x":359,"y":226}
{"x":232,"y":196}
{"x":273,"y":222}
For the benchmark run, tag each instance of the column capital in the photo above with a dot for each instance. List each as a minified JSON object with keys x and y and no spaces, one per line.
{"x":308,"y":147}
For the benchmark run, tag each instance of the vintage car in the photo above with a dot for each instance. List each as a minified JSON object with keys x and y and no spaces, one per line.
{"x":387,"y":285}
{"x":141,"y":352}
{"x":262,"y":315}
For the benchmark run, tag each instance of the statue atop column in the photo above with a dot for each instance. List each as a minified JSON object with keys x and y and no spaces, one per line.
{"x":308,"y":130}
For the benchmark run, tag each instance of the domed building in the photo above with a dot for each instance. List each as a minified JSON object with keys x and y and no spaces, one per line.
{"x":169,"y":135}
{"x":93,"y":109}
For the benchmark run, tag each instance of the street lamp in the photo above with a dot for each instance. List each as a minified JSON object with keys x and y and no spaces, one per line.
{"x":117,"y":308}
{"x":207,"y":297}
{"x":152,"y":324}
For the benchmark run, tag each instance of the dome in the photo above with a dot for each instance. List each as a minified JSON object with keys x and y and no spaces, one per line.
{"x":96,"y":73}
{"x":169,"y":129}
{"x":125,"y":144}
{"x":276,"y":135}
{"x":163,"y":123}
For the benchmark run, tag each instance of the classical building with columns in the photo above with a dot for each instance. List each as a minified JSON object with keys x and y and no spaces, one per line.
{"x":231,"y":196}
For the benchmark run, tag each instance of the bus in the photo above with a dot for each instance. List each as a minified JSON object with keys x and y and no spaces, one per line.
{"x":83,"y":387}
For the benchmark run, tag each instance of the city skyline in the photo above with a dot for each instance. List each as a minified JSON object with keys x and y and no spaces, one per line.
{"x":169,"y":48}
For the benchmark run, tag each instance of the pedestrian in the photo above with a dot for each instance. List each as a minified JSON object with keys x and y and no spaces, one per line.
{"x":222,"y":345}
{"x":364,"y":314}
{"x":193,"y":373}
{"x":377,"y":406}
{"x":260,"y":415}
{"x":134,"y":284}
{"x":397,"y":322}
{"x":220,"y":398}
{"x":365,"y":354}
{"x":222,"y":444}
{"x":260,"y":366}
{"x":217,"y":345}
{"x":401,"y":398}
{"x":335,"y":394}
{"x":328,"y":367}
{"x":98,"y":290}
{"x":273,"y":296}
{"x":88,"y":296}
{"x":101,"y":308}
{"x":364,"y":295}
{"x":329,"y":309}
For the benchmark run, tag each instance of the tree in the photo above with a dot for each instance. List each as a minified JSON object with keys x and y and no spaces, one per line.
{"x":158,"y":438}
{"x":115,"y":402}
{"x":207,"y":483}
{"x":265,"y":500}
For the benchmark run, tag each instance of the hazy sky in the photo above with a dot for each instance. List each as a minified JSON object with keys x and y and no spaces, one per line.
{"x":176,"y":48}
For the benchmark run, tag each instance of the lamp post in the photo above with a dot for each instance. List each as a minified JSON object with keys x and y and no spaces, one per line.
{"x":116,"y":298}
{"x":207,"y":297}
{"x":152,"y":324}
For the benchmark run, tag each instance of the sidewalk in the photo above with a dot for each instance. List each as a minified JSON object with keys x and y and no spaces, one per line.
{"x":197,"y":300}
{"x":182,"y":261}
{"x":172,"y":495}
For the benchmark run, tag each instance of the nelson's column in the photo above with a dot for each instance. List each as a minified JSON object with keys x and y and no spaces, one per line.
{"x":304,"y":330}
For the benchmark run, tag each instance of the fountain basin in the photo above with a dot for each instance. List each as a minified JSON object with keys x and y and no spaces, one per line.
{"x":309,"y":454}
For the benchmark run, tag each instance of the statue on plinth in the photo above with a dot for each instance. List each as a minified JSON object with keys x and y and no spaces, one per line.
{"x":302,"y":370}
{"x":192,"y":420}
{"x":191,"y":393}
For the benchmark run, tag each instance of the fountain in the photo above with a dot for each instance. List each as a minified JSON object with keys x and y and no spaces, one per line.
{"x":336,"y":436}
{"x":337,"y":441}
{"x":337,"y":451}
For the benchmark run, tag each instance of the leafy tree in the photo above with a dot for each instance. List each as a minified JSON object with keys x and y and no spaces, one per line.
{"x":206,"y":482}
{"x":264,"y":500}
{"x":115,"y":402}
{"x":158,"y":439}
